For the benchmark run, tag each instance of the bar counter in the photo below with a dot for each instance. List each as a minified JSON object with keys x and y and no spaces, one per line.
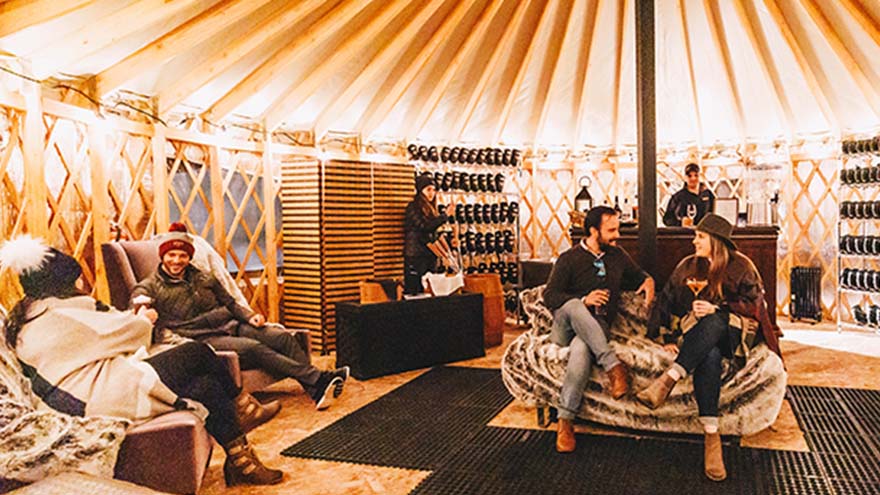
{"x":674,"y":243}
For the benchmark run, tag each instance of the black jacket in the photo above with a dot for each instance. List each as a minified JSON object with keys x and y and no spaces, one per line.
{"x":677,"y":207}
{"x":420,"y":230}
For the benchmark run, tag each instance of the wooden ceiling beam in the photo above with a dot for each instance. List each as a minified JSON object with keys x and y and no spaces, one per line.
{"x":565,"y":22}
{"x":488,"y":69}
{"x":583,"y":68}
{"x":290,"y":19}
{"x":864,"y":18}
{"x":294,"y":95}
{"x":21,"y":14}
{"x":520,"y":75}
{"x":806,"y":59}
{"x":682,"y":11}
{"x":384,"y":101}
{"x":106,"y":31}
{"x":745,"y":9}
{"x":378,"y":65}
{"x":276,"y":64}
{"x":863,"y":77}
{"x":719,"y":35}
{"x":196,"y":30}
{"x":618,"y":69}
{"x":414,"y":126}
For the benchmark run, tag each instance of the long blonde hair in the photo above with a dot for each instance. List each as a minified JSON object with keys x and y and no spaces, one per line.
{"x":719,"y":257}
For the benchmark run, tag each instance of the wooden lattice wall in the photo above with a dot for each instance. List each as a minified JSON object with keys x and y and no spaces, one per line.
{"x":73,"y":178}
{"x":343,"y":223}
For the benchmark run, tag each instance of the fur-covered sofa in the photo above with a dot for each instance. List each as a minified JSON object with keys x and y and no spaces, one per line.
{"x":533,"y":368}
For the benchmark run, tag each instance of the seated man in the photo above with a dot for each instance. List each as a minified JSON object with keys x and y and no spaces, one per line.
{"x":583,"y":292}
{"x":194,"y":304}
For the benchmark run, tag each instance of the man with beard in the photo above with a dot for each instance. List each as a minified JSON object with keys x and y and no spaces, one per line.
{"x":583,"y":292}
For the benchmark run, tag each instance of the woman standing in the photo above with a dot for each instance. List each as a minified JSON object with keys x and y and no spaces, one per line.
{"x":86,"y":359}
{"x":420,"y":225}
{"x":711,"y":307}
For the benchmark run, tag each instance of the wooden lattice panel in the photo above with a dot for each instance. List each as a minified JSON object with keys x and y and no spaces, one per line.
{"x":346,"y":234}
{"x":12,"y":197}
{"x":393,"y":188}
{"x":130,"y":184}
{"x":301,"y":226}
{"x":189,"y":186}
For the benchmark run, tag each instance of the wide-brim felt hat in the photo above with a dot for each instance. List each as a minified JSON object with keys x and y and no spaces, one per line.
{"x":717,"y":226}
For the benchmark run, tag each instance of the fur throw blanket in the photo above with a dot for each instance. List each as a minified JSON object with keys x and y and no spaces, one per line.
{"x":36,"y":443}
{"x":533,"y":368}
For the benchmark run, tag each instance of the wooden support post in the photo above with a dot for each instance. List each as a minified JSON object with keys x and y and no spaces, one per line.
{"x":34,"y":176}
{"x":160,"y":180}
{"x":216,"y":175}
{"x":100,"y":206}
{"x":272,"y":300}
{"x":647,"y":135}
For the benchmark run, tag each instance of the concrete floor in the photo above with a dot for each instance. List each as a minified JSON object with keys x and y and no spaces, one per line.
{"x":814,"y":355}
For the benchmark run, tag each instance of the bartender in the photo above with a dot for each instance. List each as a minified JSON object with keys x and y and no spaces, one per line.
{"x":420,"y":225}
{"x":689,"y":205}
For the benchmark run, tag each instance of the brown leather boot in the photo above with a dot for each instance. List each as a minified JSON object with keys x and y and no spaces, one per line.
{"x":656,"y":393}
{"x":242,"y":467}
{"x":565,"y":441}
{"x":618,"y":377}
{"x":251,"y":413}
{"x":712,"y":458}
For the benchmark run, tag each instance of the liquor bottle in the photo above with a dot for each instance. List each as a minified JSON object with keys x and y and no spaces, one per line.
{"x":635,"y":209}
{"x":617,"y":205}
{"x":626,"y":213}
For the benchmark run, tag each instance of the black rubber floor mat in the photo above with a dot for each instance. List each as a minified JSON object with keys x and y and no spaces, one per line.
{"x":415,"y":426}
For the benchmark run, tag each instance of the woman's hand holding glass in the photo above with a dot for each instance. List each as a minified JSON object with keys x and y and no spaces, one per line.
{"x":148,"y":313}
{"x":703,"y":308}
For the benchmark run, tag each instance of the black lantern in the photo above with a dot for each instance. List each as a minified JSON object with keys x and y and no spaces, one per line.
{"x":583,"y":201}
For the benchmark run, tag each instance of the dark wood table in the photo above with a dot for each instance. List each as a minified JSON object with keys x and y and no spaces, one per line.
{"x":674,"y":243}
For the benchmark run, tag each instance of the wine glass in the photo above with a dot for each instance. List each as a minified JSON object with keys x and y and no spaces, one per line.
{"x":691,"y":213}
{"x":696,"y":285}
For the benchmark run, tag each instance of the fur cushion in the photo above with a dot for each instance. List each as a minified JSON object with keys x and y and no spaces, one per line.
{"x":533,"y":368}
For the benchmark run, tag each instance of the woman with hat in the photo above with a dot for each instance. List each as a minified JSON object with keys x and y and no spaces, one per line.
{"x":692,"y":202}
{"x":87,"y":359}
{"x":711,"y":308}
{"x":421,"y":222}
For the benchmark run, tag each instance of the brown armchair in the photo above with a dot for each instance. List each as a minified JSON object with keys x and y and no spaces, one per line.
{"x":129,"y":262}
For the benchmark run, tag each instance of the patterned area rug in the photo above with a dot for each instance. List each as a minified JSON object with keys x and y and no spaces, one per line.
{"x":438,"y":422}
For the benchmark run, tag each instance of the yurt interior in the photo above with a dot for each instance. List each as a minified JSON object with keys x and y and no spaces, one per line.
{"x":440,"y":247}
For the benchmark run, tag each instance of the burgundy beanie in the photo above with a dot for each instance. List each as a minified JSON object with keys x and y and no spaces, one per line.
{"x":176,"y":238}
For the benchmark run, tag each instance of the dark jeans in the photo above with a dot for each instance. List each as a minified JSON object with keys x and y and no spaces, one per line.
{"x":413,"y":270}
{"x":270,"y":349}
{"x":193,"y":371}
{"x":700,"y":354}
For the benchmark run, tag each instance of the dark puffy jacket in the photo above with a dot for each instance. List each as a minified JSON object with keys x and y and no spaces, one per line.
{"x":194,"y":306}
{"x":419,"y":232}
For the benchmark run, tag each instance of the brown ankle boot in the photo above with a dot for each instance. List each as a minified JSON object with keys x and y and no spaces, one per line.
{"x":618,"y":378}
{"x":251,"y":413}
{"x":656,"y":393}
{"x":712,"y":458}
{"x":565,"y":441}
{"x":242,"y":467}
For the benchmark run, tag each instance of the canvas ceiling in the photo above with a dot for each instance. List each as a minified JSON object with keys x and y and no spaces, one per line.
{"x":521,"y":72}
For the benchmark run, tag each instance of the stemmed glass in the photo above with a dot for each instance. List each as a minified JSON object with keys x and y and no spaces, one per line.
{"x":699,"y":280}
{"x":691,"y":213}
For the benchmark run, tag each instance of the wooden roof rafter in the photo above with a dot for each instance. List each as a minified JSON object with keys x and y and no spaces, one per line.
{"x":583,"y":68}
{"x":21,"y":14}
{"x":184,"y":37}
{"x":863,"y":77}
{"x":745,"y":9}
{"x":383,"y":102}
{"x":292,"y":18}
{"x":565,"y":20}
{"x":488,"y":70}
{"x":300,"y":91}
{"x":378,"y":65}
{"x":858,"y":11}
{"x":269,"y":70}
{"x":682,"y":10}
{"x":520,"y":75}
{"x":417,"y":124}
{"x":719,"y":34}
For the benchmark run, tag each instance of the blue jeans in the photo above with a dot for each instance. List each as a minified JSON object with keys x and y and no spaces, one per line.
{"x":700,"y":354}
{"x":574,"y":326}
